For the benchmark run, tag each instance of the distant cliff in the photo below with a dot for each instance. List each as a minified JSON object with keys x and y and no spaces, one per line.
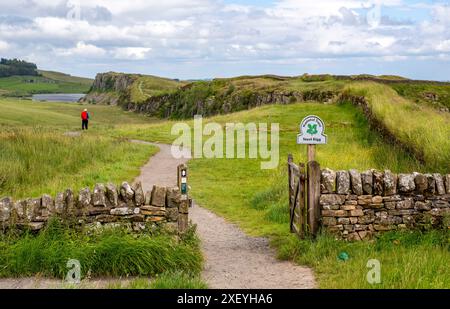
{"x":110,"y":88}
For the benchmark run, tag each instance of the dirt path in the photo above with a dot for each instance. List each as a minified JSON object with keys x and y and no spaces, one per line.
{"x":233,"y":259}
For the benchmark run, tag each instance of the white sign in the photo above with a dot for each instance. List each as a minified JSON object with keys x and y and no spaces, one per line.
{"x":312,"y":131}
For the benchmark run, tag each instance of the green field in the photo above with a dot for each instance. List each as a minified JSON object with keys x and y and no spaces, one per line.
{"x":38,"y":156}
{"x":48,"y":82}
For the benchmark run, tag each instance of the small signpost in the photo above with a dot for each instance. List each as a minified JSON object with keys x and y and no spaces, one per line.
{"x":182,"y":179}
{"x":312,"y":133}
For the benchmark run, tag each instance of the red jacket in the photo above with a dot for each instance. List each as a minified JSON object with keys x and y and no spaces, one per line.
{"x":85,"y":115}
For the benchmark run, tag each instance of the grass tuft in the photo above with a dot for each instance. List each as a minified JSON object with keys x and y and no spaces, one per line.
{"x":112,"y":252}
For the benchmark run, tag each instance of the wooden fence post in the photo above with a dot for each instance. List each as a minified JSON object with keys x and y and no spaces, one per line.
{"x":313,"y":196}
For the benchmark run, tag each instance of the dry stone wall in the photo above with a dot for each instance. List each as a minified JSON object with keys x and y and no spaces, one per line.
{"x":105,"y":205}
{"x":358,"y":205}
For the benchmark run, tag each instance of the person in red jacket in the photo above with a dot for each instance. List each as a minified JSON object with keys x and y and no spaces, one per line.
{"x":84,"y":119}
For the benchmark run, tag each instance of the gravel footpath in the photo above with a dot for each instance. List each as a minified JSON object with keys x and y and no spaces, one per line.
{"x":233,"y":259}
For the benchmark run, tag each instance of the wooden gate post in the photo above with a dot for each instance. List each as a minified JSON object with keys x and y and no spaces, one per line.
{"x":313,"y":196}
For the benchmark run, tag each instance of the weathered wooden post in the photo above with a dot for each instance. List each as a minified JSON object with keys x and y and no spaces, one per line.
{"x":313,"y":197}
{"x":312,"y":131}
{"x":183,"y":207}
{"x":290,"y":161}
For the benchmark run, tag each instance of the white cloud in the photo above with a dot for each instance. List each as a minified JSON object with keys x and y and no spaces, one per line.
{"x":131,"y":53}
{"x":4,"y":46}
{"x":82,"y":49}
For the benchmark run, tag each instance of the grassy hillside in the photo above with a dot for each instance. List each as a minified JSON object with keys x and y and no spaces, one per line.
{"x":66,"y":77}
{"x":434,"y":95}
{"x":421,"y":127}
{"x":47,"y":82}
{"x":147,"y":86}
{"x":38,"y":157}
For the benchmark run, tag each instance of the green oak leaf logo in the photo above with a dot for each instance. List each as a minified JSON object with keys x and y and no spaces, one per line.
{"x":312,"y":129}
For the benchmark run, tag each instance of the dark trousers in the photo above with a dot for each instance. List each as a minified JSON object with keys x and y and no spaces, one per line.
{"x":84,"y":124}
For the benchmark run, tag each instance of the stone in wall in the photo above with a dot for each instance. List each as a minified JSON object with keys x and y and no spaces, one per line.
{"x":32,"y":206}
{"x":158,"y":196}
{"x":127,"y":193}
{"x":420,"y":182}
{"x":48,"y":205}
{"x":69,"y":202}
{"x":447,"y":184}
{"x":367,"y":181}
{"x":355,"y":179}
{"x":60,"y":203}
{"x":153,"y":211}
{"x":431,"y":189}
{"x":328,"y":181}
{"x":148,"y":197}
{"x":173,"y":197}
{"x":123,"y":211}
{"x":6,"y":205}
{"x":377,"y":182}
{"x":342,"y":182}
{"x":99,"y":195}
{"x":390,"y":183}
{"x":138,"y":194}
{"x":84,"y":198}
{"x":406,"y":183}
{"x":440,"y":188}
{"x":112,"y":195}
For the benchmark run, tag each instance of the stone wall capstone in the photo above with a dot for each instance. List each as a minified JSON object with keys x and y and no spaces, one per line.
{"x":358,"y":205}
{"x":104,"y":205}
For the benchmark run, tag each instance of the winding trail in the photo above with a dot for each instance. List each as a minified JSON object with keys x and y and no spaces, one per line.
{"x":233,"y":259}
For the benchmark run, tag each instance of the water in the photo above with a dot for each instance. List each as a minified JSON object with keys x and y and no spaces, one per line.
{"x":58,"y":97}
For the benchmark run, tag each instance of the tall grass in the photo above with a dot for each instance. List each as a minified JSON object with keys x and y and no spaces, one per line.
{"x":421,"y":127}
{"x":35,"y":161}
{"x":111,"y":252}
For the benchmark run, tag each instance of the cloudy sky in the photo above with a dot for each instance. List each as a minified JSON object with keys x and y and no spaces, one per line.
{"x":217,"y":38}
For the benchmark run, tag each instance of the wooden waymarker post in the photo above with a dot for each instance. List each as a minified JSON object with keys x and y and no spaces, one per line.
{"x":312,"y":133}
{"x":183,"y":209}
{"x":182,"y":179}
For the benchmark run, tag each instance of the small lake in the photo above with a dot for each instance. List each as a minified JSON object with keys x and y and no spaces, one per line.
{"x":58,"y":97}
